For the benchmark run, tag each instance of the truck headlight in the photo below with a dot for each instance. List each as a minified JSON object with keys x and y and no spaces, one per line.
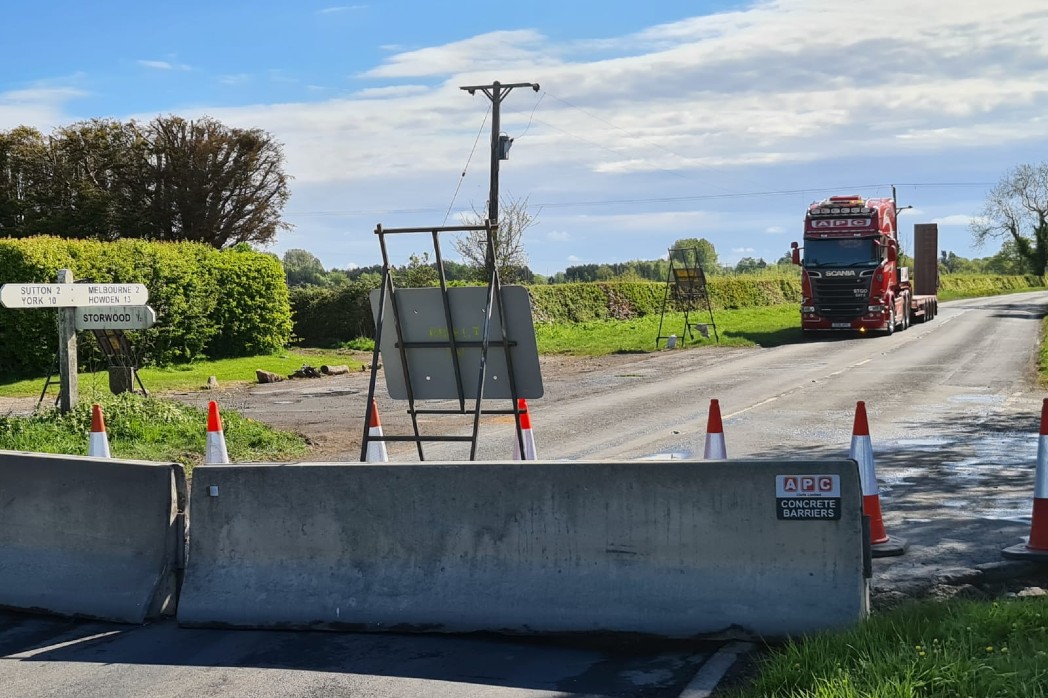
{"x":874,"y":308}
{"x":807,"y":308}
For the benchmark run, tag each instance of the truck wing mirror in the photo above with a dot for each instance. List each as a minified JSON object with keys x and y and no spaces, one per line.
{"x":795,"y":253}
{"x":893,"y":253}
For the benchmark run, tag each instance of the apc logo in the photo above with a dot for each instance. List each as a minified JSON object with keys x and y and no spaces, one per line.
{"x":842,"y":223}
{"x":808,"y":485}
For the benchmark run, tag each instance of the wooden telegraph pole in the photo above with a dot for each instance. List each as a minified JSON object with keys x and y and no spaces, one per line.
{"x":500,"y":144}
{"x":67,"y":369}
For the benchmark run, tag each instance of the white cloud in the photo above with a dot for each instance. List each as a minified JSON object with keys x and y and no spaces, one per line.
{"x":572,"y":258}
{"x":503,"y":50}
{"x":558,"y":236}
{"x":235,"y":79}
{"x":742,"y":250}
{"x":960,"y":219}
{"x":391,"y":92}
{"x":42,"y":106}
{"x":775,"y":229}
{"x":339,"y":9}
{"x":163,"y":65}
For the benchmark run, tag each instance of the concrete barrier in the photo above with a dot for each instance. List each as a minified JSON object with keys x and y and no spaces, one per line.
{"x":670,"y":548}
{"x":90,"y":537}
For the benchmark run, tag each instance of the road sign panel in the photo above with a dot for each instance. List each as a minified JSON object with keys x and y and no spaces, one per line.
{"x":118,"y":317}
{"x":72,"y":295}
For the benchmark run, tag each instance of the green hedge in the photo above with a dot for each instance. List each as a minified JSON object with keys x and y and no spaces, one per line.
{"x":986,"y":285}
{"x":208,"y":302}
{"x":326,"y":317}
{"x":584,"y":302}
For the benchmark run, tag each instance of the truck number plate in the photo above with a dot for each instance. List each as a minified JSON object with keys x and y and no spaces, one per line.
{"x":842,"y":324}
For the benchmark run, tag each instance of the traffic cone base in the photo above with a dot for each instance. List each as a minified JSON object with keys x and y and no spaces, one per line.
{"x":1036,"y":546}
{"x":881,"y":544}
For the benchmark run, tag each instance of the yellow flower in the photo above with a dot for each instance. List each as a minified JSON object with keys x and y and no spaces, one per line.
{"x":989,"y":649}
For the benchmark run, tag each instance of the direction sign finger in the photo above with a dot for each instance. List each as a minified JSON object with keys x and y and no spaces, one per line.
{"x":72,"y":295}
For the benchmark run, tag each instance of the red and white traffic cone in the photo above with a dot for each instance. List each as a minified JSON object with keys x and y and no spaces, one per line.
{"x":376,"y":448}
{"x":216,"y":441}
{"x":715,"y":448}
{"x":98,"y":446}
{"x":1036,"y":548}
{"x":861,"y":452}
{"x":526,"y":432}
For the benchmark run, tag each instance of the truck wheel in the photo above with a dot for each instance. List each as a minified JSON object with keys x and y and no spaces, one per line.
{"x":905,"y":318}
{"x":891,"y":323}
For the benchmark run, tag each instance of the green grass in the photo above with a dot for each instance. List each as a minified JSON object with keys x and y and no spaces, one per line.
{"x":766,"y":326}
{"x":142,"y":428}
{"x":930,"y":649}
{"x":194,"y":376}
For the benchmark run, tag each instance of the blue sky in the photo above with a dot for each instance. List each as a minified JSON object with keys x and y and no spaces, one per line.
{"x":654,"y":121}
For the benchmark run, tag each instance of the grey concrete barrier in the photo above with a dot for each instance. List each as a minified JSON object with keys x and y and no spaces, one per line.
{"x":90,"y":537}
{"x":669,"y":548}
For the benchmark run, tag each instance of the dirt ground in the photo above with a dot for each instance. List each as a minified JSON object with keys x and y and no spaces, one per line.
{"x":329,"y":411}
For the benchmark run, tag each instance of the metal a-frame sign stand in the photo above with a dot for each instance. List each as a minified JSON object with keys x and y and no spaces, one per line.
{"x":686,"y":286}
{"x":404,"y":349}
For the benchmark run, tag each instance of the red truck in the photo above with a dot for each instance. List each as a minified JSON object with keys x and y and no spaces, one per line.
{"x":850,"y":277}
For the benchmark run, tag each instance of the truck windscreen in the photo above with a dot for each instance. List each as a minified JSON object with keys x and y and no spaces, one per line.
{"x":851,"y":252}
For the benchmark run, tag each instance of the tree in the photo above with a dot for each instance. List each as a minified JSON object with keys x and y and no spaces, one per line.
{"x":1007,"y":261}
{"x":302,"y":268}
{"x":511,"y":259}
{"x":748,"y":265}
{"x":1016,"y":210}
{"x":215,"y":184}
{"x":706,"y":252}
{"x":170,"y":180}
{"x":419,"y":273}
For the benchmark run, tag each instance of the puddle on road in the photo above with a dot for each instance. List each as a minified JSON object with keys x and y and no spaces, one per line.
{"x":979,"y":399}
{"x":973,"y":484}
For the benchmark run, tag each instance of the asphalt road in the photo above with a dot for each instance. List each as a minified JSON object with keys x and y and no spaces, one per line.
{"x":953,"y":412}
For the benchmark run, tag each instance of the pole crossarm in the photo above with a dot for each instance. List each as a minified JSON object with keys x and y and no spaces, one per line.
{"x":494,"y":91}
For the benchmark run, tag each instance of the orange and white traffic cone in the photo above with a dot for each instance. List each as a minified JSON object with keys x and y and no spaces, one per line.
{"x":526,"y":432}
{"x":98,"y":446}
{"x":216,"y":441}
{"x":376,"y":449}
{"x":1036,"y":548}
{"x":715,"y":448}
{"x":861,"y":451}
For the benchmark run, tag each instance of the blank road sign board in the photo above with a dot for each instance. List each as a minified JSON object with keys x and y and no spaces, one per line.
{"x":72,"y":295}
{"x":432,"y":368}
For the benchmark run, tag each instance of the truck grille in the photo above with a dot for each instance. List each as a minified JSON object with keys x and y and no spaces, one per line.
{"x":836,"y":297}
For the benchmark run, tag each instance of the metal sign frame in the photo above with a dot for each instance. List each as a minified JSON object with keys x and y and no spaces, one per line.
{"x":686,"y":286}
{"x":447,"y":342}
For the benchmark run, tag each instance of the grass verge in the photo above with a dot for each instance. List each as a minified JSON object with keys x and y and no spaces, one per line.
{"x":146,"y":428}
{"x":940,"y":649}
{"x":193,"y":376}
{"x":764,"y":326}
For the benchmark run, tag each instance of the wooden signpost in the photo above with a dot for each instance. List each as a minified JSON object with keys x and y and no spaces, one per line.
{"x":81,"y":306}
